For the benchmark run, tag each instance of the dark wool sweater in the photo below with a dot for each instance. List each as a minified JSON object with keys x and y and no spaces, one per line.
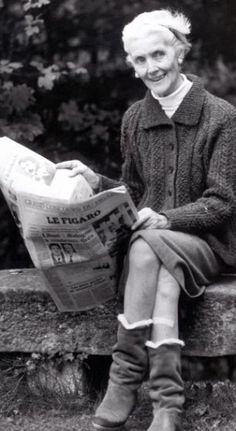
{"x":185,"y":167}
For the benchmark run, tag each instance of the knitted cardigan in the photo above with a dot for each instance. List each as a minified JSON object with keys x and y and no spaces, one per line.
{"x":184,"y":167}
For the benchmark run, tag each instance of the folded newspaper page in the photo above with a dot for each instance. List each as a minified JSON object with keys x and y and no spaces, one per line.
{"x":73,"y":236}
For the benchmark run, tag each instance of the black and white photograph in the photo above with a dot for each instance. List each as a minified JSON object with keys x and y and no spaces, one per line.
{"x":137,"y":98}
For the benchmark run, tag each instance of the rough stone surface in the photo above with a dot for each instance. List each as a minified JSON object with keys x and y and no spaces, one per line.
{"x":208,"y":325}
{"x":30,"y":322}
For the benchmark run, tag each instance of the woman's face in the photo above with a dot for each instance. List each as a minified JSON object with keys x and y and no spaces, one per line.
{"x":154,"y":58}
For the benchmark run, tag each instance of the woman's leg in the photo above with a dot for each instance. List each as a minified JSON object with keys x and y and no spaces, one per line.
{"x":166,"y":384}
{"x":130,"y":358}
{"x":141,"y":285}
{"x":165,"y":312}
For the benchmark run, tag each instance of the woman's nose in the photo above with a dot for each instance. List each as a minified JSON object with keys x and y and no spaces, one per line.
{"x":152,"y":65}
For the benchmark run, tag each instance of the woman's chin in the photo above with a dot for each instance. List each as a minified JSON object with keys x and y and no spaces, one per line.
{"x":159,"y":91}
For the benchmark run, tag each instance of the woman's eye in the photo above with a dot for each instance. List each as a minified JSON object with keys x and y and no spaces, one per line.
{"x":140,"y":60}
{"x":158,"y":54}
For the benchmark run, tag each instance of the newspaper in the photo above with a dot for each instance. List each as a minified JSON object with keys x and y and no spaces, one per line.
{"x":73,"y":236}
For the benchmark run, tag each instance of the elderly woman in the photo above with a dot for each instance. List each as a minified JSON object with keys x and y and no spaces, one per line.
{"x":179,"y":149}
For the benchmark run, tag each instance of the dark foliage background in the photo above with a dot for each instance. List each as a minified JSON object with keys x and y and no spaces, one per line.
{"x":64,"y":83}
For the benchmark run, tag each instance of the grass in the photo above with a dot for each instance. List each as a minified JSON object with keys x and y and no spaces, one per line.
{"x":210,"y":405}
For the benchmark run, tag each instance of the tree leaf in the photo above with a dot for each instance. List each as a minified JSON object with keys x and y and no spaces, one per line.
{"x":70,"y":115}
{"x":31,"y":4}
{"x":50,"y":74}
{"x":22,"y":130}
{"x":21,"y":97}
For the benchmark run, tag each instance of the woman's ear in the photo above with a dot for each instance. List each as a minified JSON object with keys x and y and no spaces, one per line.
{"x":130,"y":64}
{"x":129,"y":61}
{"x":180,"y":55}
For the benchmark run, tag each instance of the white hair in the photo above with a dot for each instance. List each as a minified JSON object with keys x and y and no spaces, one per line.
{"x":174,"y":23}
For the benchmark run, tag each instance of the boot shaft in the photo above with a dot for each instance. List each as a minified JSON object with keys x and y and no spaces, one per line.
{"x":130,"y":356}
{"x":165,"y":421}
{"x":166,"y":383}
{"x":129,"y":366}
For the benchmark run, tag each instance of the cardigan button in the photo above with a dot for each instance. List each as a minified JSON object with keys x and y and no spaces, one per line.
{"x":170,"y":169}
{"x":169,"y":192}
{"x":171,"y":147}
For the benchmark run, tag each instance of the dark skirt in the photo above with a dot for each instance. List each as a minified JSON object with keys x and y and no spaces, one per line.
{"x":187,"y":257}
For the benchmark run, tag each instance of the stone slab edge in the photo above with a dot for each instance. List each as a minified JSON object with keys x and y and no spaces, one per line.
{"x":30,"y":321}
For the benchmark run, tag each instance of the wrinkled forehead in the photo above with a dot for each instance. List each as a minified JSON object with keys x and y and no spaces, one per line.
{"x":145,"y":36}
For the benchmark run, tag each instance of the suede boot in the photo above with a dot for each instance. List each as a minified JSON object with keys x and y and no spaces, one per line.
{"x":128,"y":369}
{"x":166,"y":387}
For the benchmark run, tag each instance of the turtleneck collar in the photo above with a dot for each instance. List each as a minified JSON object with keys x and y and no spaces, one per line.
{"x":171,"y":102}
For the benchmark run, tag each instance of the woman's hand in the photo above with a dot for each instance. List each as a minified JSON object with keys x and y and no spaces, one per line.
{"x":77,"y":168}
{"x":149,"y":219}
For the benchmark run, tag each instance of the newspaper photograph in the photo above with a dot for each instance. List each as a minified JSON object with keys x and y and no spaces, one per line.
{"x":74,"y":237}
{"x":23,"y":169}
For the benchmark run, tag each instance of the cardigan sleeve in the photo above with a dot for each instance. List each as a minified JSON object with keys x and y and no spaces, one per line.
{"x":217,"y":204}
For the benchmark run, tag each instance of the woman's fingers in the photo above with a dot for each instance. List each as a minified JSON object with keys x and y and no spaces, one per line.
{"x":149,"y":219}
{"x":140,"y":222}
{"x":75,"y":166}
{"x":76,"y":171}
{"x":69,"y":164}
{"x":63,"y":165}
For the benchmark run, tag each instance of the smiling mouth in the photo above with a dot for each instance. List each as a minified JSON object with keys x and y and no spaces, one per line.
{"x":157,"y":78}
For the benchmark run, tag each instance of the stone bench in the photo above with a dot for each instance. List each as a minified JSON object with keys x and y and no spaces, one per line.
{"x":30,"y":322}
{"x":31,"y":326}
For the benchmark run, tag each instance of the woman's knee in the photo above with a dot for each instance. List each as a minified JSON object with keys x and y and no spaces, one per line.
{"x":141,"y":254}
